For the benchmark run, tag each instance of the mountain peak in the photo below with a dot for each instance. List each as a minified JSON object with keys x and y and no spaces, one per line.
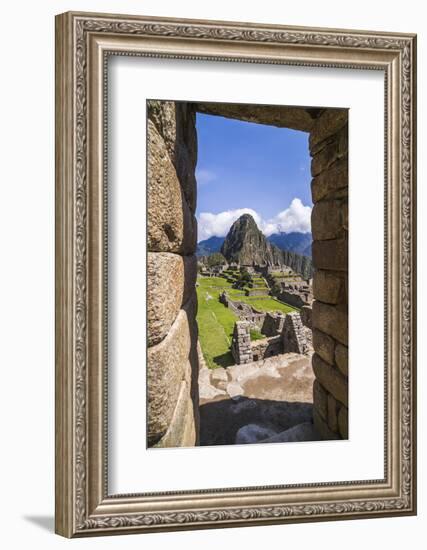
{"x":246,"y":244}
{"x":246,"y":218}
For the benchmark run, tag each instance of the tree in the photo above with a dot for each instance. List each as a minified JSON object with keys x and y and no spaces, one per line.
{"x":275,"y":289}
{"x":243,"y":279}
{"x":216,"y":259}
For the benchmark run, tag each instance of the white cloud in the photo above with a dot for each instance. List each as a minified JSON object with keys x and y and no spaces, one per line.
{"x":295,"y":218}
{"x":205,"y":176}
{"x":218,"y":224}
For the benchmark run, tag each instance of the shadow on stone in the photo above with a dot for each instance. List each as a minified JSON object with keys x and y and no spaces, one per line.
{"x":224,"y":360}
{"x":221,"y":421}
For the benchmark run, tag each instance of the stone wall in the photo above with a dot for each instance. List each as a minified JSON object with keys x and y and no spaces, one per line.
{"x":273,"y":324}
{"x":293,"y":298}
{"x":287,"y":335}
{"x":241,"y":343}
{"x":306,"y":313}
{"x":244,"y":312}
{"x":267,"y":347}
{"x":294,"y":334}
{"x":329,"y":187}
{"x":172,"y":359}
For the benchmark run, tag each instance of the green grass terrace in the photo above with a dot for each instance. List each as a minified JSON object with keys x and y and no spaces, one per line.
{"x":216,"y":322}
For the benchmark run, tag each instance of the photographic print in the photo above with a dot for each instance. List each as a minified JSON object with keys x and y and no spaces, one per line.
{"x":245,"y":204}
{"x":208,"y":270}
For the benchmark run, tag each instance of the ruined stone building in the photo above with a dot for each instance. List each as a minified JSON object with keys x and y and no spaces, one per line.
{"x":283,"y":334}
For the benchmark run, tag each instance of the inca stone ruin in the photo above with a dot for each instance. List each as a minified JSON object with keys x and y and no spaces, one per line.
{"x":296,"y":372}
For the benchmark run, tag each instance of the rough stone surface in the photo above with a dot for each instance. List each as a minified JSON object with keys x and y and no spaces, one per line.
{"x":329,"y":150}
{"x":276,"y":393}
{"x":171,"y":225}
{"x":341,"y":358}
{"x":320,"y":399}
{"x":327,"y":220}
{"x":208,"y":392}
{"x":273,"y":323}
{"x":331,"y":255}
{"x":294,"y":338}
{"x":295,"y":297}
{"x":234,"y":389}
{"x":328,"y":287}
{"x":172,"y":371}
{"x":324,"y":346}
{"x":181,"y":431}
{"x":344,"y":210}
{"x":176,"y":123}
{"x":253,"y":433}
{"x":240,"y":372}
{"x":301,"y":432}
{"x":329,"y":168}
{"x":162,"y":114}
{"x":343,"y":422}
{"x":322,"y":427}
{"x":170,"y":282}
{"x":280,"y":379}
{"x":331,"y":320}
{"x":266,"y":347}
{"x":327,"y":124}
{"x":331,"y":180}
{"x":186,"y":152}
{"x":332,"y":413}
{"x":167,"y":366}
{"x":282,"y":117}
{"x":219,"y":377}
{"x":222,"y":420}
{"x":241,"y":343}
{"x":331,"y":379}
{"x":306,"y":313}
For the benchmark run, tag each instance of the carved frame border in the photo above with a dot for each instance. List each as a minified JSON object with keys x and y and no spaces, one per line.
{"x":83,"y":42}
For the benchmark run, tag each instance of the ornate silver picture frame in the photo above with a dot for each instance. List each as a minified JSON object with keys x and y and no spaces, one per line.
{"x":84,"y":43}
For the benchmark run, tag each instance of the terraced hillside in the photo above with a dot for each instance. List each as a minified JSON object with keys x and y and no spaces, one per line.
{"x":216,"y":322}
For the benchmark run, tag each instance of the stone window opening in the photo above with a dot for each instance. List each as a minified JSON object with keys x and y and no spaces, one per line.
{"x":173,"y":354}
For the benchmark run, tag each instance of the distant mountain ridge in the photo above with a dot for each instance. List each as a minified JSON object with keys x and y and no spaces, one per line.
{"x":293,"y":242}
{"x":209,"y":246}
{"x":247,"y":245}
{"x":290,"y":242}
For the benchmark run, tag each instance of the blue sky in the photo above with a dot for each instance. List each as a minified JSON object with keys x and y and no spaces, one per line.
{"x":251,"y":167}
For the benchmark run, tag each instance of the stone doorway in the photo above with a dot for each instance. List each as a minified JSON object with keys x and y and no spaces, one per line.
{"x":173,"y":361}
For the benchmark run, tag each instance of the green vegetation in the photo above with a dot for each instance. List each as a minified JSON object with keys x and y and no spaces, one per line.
{"x":244,"y":279}
{"x":216,"y":322}
{"x":268,"y":303}
{"x":275,"y":289}
{"x":213,"y":282}
{"x":216,"y":259}
{"x":256,"y":334}
{"x":258,"y":283}
{"x":277,"y":276}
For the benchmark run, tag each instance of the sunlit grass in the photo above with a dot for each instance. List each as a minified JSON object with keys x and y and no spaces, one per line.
{"x":216,"y":322}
